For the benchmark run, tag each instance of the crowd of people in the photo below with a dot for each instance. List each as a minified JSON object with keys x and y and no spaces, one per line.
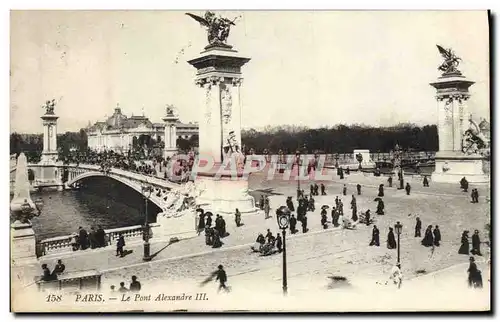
{"x":82,"y":239}
{"x":135,"y":286}
{"x":213,"y":235}
{"x":130,"y":162}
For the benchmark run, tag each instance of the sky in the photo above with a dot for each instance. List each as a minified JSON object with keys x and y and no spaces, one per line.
{"x":307,"y":68}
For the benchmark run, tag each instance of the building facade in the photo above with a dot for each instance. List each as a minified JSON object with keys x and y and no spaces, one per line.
{"x":118,"y":131}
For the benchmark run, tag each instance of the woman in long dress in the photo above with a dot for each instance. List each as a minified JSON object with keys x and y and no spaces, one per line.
{"x":391,"y":240}
{"x":464,"y":248}
{"x":428,"y":240}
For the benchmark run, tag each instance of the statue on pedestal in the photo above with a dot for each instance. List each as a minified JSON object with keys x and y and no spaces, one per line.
{"x":170,"y":110}
{"x":217,"y":27}
{"x":473,"y":139}
{"x":451,"y":61}
{"x":49,"y":107}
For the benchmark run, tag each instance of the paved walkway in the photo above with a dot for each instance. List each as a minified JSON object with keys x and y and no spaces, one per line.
{"x":316,"y":253}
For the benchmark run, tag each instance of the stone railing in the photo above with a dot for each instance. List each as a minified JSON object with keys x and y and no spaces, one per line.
{"x":63,"y":244}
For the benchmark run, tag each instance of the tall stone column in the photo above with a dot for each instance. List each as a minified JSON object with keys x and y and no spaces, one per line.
{"x":452,"y":161}
{"x":219,"y":76}
{"x":50,"y":176}
{"x":170,"y":120}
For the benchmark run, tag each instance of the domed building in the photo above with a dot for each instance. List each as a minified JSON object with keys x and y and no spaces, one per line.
{"x":118,"y":132}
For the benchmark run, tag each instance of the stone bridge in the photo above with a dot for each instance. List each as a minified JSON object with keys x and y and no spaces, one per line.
{"x":76,"y":173}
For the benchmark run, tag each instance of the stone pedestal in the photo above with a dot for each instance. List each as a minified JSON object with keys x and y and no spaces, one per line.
{"x":367,"y":162}
{"x":170,"y":134}
{"x":452,"y":167}
{"x":181,"y":225}
{"x":23,"y":242}
{"x":223,"y":194}
{"x":219,"y":77}
{"x":452,"y":94}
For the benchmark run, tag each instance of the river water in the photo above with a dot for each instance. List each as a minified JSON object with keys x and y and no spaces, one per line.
{"x":100,"y":201}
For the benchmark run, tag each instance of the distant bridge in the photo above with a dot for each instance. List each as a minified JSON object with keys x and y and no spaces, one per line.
{"x":77,"y":173}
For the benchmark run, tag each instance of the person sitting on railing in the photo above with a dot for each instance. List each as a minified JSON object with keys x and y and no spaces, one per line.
{"x":135,"y":286}
{"x":47,"y":276}
{"x":122,"y":288}
{"x":59,"y":269}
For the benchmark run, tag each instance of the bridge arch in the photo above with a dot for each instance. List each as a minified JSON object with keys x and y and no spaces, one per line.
{"x":158,"y":201}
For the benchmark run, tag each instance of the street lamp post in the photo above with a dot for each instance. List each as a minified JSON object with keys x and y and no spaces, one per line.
{"x":297,"y":162}
{"x":146,"y":191}
{"x":283,"y":217}
{"x":399,"y":228}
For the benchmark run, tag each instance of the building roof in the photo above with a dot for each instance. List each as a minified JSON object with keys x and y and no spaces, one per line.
{"x":119,"y":121}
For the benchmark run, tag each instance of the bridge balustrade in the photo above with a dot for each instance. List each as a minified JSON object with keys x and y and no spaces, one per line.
{"x":63,"y":244}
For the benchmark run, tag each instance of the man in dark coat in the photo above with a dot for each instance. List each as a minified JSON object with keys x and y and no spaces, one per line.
{"x":223,"y":230}
{"x":341,"y":173}
{"x":269,"y":235}
{"x":476,"y":244}
{"x":389,"y":180}
{"x":391,"y":240}
{"x":209,"y":219}
{"x":59,"y":269}
{"x":437,"y":236}
{"x":310,"y":206}
{"x":323,"y":192}
{"x":475,"y":280}
{"x":222,"y":278}
{"x":358,"y":188}
{"x":426,"y":181}
{"x":261,"y":202}
{"x":201,"y":221}
{"x":367,"y":217}
{"x":83,"y":238}
{"x":316,"y":189}
{"x":344,"y":190}
{"x":217,"y":222}
{"x":311,"y":190}
{"x":381,"y":190}
{"x":418,"y":228}
{"x":289,"y":204}
{"x":334,"y":217}
{"x":408,"y":188}
{"x":464,"y":184}
{"x":279,"y":242}
{"x":101,"y":237}
{"x":92,"y":238}
{"x":119,"y":245}
{"x":304,"y":224}
{"x":324,"y":219}
{"x":375,"y":237}
{"x":293,"y":223}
